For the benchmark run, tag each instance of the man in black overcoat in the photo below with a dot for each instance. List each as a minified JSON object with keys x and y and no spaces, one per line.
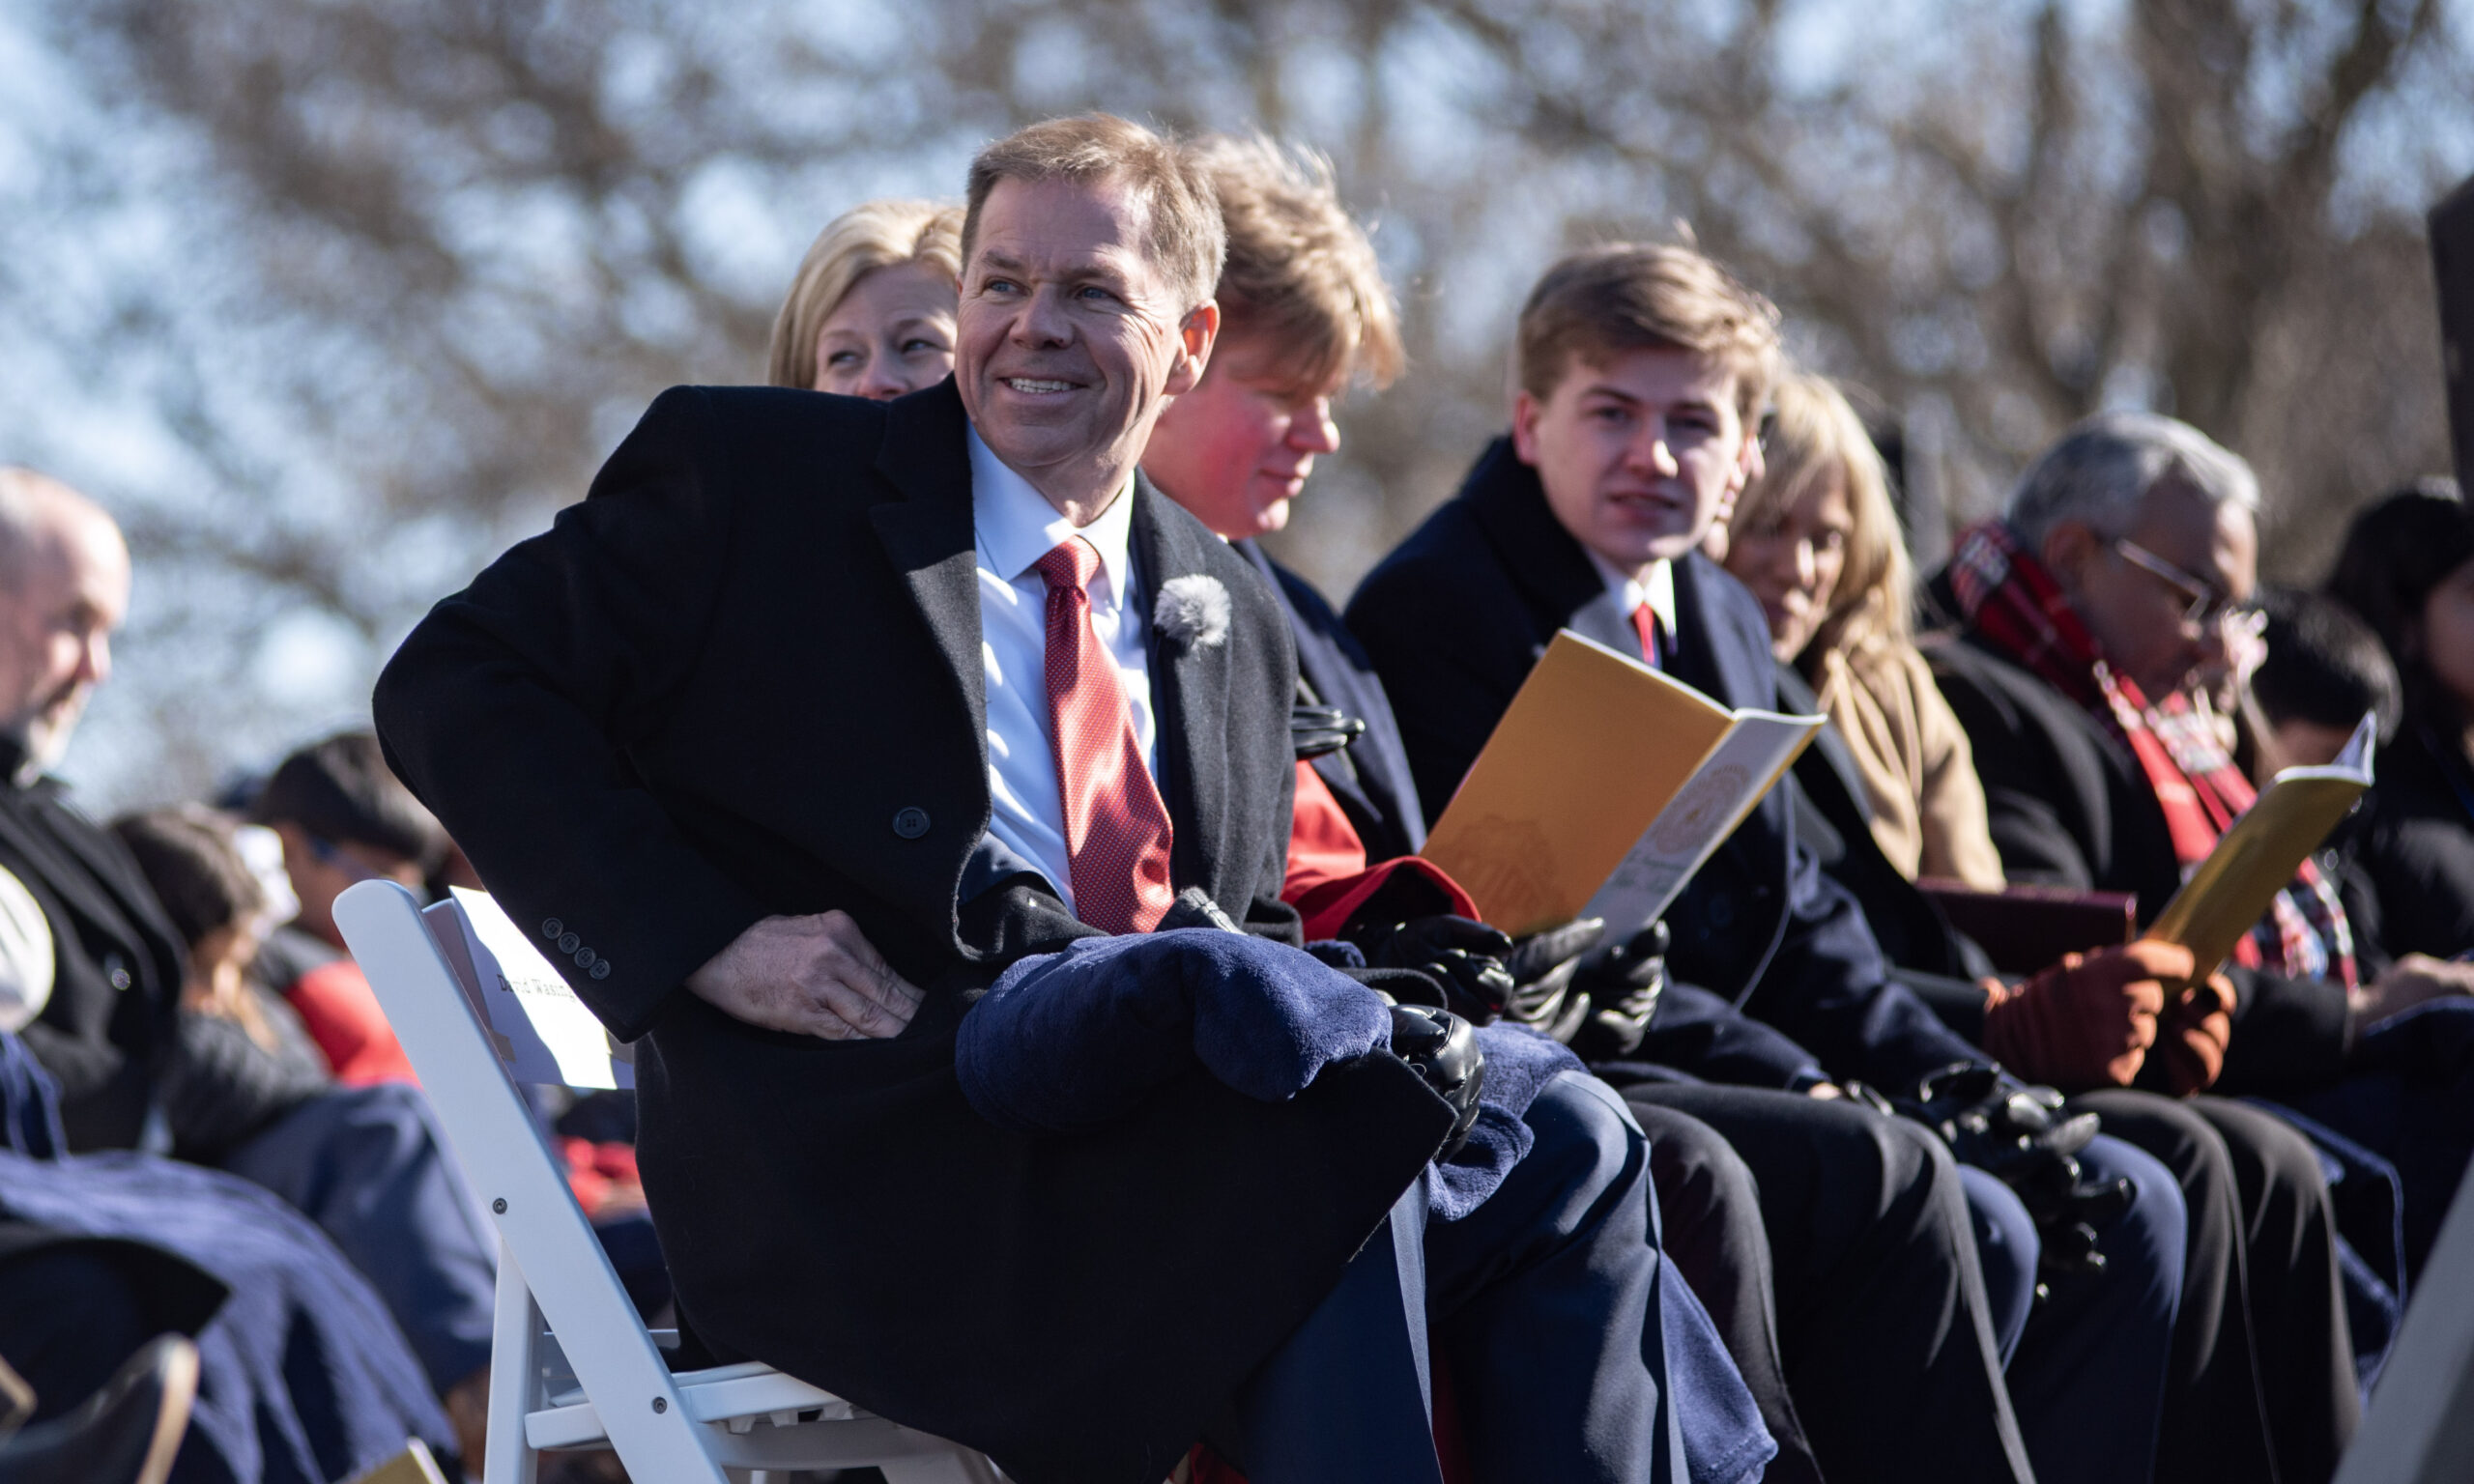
{"x":744,"y":738}
{"x":2141,"y":530}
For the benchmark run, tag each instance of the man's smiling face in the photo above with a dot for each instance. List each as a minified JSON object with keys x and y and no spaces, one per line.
{"x":1639,"y":455}
{"x":1070,"y":338}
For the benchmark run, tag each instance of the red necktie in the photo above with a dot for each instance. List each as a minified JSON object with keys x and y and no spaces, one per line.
{"x":1116,"y":829}
{"x":1644,"y":622}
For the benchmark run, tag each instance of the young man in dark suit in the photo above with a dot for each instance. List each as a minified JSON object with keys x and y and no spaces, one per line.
{"x":1642,"y":373}
{"x":771,"y":739}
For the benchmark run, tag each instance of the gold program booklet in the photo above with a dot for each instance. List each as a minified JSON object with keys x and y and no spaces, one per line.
{"x":2225,"y":895}
{"x":1604,"y":789}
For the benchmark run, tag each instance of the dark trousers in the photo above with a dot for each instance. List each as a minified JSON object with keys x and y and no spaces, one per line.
{"x":368,"y":1165}
{"x":1880,"y":1314}
{"x":2088,"y":1379}
{"x":2260,"y":1385}
{"x":1710,"y":1227}
{"x":2006,"y":1251}
{"x":1548,"y":1304}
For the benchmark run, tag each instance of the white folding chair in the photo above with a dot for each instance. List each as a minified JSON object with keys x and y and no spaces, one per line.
{"x":571,"y":1366}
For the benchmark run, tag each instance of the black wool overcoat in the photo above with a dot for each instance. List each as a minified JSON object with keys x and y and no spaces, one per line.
{"x":1370,"y":775}
{"x":107,"y":1034}
{"x":743,"y":677}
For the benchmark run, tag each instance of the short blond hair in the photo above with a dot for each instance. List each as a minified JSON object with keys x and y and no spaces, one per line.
{"x":1602,"y":301}
{"x":1814,"y":435}
{"x":1301,"y":272}
{"x":869,"y":235}
{"x":1187,"y":240}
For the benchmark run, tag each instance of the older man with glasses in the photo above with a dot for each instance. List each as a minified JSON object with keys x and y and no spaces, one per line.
{"x":2088,"y":615}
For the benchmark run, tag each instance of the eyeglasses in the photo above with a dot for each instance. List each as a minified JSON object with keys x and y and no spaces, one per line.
{"x":2203,"y":603}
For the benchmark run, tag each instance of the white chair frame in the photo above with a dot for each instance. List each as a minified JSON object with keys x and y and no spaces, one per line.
{"x":571,"y":1366}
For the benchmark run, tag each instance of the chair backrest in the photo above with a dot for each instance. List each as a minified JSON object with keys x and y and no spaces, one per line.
{"x":493,"y":1135}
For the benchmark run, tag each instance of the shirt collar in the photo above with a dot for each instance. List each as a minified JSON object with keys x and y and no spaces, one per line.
{"x":1015,"y":525}
{"x":1657,"y":589}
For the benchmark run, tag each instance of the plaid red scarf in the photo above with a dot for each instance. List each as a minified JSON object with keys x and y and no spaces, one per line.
{"x":2008,"y":597}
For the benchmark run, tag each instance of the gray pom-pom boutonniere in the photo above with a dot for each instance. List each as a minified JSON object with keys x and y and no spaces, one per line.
{"x":1193,"y":610}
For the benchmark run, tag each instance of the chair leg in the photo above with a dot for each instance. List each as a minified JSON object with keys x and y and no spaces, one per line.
{"x":507,"y":1459}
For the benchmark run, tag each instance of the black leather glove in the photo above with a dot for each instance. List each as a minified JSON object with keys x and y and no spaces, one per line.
{"x":1443,"y":1048}
{"x":1622,"y":983}
{"x":1466,"y":958}
{"x":1542,"y":968}
{"x":2022,"y":1135}
{"x":1313,"y":730}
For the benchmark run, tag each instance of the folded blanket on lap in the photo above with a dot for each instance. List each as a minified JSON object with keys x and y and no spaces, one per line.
{"x":1069,"y":1039}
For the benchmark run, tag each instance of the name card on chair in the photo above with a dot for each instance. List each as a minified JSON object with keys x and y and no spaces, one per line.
{"x":543,"y":1031}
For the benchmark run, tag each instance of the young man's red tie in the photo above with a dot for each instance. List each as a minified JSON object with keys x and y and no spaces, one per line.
{"x":1644,"y":622}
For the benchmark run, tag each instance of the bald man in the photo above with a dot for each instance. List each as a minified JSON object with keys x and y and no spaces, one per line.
{"x":64,"y":588}
{"x":365,"y":1164}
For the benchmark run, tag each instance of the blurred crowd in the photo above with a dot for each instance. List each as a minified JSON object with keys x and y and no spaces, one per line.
{"x":212,"y":1130}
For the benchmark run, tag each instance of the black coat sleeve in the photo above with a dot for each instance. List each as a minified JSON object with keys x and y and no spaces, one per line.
{"x":1448,"y":673}
{"x":510,"y":708}
{"x":2030,"y":805}
{"x":2290,"y":1035}
{"x":1830,"y":988}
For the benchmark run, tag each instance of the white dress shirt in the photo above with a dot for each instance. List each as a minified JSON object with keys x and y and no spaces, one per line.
{"x":1015,"y":526}
{"x":1657,"y":589}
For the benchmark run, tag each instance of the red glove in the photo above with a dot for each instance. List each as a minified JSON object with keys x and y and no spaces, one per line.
{"x":2087,"y":1021}
{"x":2192,"y":1034}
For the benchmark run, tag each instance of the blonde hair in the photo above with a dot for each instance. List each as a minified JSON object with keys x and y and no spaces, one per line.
{"x":1814,"y":435}
{"x":872,"y":235}
{"x":1604,"y":300}
{"x":1300,"y":272}
{"x":1187,"y":240}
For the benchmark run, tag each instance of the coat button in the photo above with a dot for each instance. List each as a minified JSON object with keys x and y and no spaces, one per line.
{"x":585,"y":957}
{"x":601,"y":968}
{"x":911,"y":822}
{"x":568,"y":942}
{"x":551,"y":927}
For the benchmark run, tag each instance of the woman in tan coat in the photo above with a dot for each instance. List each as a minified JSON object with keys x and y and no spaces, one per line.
{"x":1818,"y":542}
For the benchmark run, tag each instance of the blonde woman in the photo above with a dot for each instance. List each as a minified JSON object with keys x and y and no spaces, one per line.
{"x":871,"y":313}
{"x":1818,"y":542}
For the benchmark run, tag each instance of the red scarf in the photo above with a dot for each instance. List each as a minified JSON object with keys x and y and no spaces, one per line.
{"x":2009,"y":598}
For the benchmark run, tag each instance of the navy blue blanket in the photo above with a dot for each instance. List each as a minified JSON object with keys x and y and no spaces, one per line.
{"x":303,"y":1376}
{"x":1069,"y":1039}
